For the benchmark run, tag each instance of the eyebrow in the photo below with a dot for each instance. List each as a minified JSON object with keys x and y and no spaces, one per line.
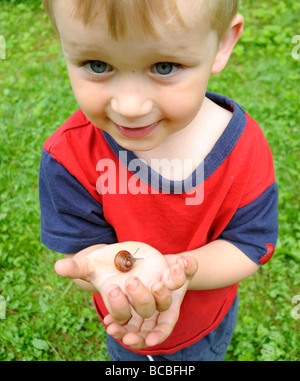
{"x":75,"y":46}
{"x":181,"y":53}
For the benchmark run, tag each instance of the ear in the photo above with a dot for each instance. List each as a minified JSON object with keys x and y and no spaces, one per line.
{"x":228,"y":43}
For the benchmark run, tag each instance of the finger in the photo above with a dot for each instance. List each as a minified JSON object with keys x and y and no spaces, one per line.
{"x":164,"y":326}
{"x":118,"y":304}
{"x":160,"y":333}
{"x":137,"y":332}
{"x":189,"y":264}
{"x":184,"y":269}
{"x":134,"y":340}
{"x":108,"y":319}
{"x":72,"y":269}
{"x":142,"y":299}
{"x":162,"y":295}
{"x":147,"y":337}
{"x":174,"y":278}
{"x":116,"y":331}
{"x":155,"y":338}
{"x":137,"y":340}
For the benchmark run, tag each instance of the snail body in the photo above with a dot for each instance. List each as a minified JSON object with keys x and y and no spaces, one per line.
{"x":124,"y":261}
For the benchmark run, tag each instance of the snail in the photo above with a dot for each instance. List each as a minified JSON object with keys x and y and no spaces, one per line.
{"x":124,"y":260}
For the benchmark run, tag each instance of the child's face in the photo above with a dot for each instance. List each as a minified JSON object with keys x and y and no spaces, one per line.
{"x":140,"y":91}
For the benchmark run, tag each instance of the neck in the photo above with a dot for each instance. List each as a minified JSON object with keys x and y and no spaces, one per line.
{"x":192,"y":143}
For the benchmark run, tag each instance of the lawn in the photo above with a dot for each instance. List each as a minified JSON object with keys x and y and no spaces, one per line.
{"x":48,"y":317}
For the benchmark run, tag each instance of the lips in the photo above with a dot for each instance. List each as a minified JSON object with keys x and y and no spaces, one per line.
{"x":136,"y":132}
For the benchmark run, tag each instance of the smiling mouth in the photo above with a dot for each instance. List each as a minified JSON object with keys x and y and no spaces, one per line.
{"x":136,"y":132}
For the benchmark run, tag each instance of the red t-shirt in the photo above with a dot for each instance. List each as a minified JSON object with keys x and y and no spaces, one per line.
{"x":93,"y":191}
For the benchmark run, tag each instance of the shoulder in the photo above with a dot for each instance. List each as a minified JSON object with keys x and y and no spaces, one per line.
{"x":75,"y":121}
{"x":76,"y":137}
{"x":76,"y":141}
{"x":242,"y":133}
{"x":253,"y":146}
{"x":253,"y":156}
{"x":74,"y":149}
{"x":244,"y":152}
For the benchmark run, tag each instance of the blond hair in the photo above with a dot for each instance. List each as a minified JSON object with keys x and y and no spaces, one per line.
{"x":146,"y":15}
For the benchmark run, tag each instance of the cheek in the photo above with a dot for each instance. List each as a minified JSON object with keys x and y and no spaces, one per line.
{"x":92,"y":105}
{"x":185,"y":102}
{"x":85,"y":96}
{"x":88,"y":95}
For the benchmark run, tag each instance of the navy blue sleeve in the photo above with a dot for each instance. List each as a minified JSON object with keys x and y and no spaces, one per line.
{"x":71,"y":219}
{"x":254,"y":227}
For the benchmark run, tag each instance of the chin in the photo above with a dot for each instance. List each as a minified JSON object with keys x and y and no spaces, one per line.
{"x":142,"y":144}
{"x":138,"y":146}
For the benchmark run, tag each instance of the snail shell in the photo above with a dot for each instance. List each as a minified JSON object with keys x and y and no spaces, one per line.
{"x":124,"y":261}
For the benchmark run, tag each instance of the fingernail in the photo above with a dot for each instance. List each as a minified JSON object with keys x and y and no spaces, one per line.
{"x":178,"y":271}
{"x":159,"y":291}
{"x":114,"y":292}
{"x":185,"y":263}
{"x":132,"y":285}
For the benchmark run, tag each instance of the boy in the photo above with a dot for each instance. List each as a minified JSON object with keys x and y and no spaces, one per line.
{"x":154,"y":164}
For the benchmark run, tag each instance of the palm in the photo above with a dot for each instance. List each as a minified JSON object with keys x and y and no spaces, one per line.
{"x":148,"y":266}
{"x":140,"y":333}
{"x":144,"y":296}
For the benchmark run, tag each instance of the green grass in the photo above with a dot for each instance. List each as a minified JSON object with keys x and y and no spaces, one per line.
{"x":49,"y":318}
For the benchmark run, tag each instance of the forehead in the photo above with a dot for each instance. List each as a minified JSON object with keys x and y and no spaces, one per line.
{"x":136,"y":18}
{"x":176,"y":40}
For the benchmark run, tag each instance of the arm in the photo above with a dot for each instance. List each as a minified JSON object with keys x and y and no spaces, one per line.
{"x":220,"y":264}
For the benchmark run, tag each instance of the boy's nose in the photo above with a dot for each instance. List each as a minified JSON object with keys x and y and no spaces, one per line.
{"x":131,"y":103}
{"x":130,"y":107}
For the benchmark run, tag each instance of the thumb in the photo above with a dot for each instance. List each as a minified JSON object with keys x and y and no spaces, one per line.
{"x":183,"y":270}
{"x":189,"y":264}
{"x":73,"y":269}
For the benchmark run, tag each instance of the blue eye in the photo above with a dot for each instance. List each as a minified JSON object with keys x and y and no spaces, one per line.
{"x":99,"y":67}
{"x":164,"y":68}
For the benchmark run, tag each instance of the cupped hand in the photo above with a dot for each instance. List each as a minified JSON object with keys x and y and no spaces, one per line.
{"x":145,"y":288}
{"x":141,"y":333}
